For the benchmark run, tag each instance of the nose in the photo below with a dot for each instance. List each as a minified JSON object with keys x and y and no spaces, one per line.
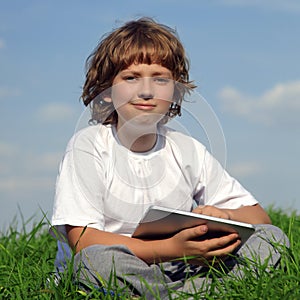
{"x":146,"y":91}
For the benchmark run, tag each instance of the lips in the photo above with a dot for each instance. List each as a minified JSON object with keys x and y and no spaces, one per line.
{"x":143,"y":105}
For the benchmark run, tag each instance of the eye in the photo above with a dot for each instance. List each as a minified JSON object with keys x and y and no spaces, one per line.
{"x":162,"y":80}
{"x":130,"y":78}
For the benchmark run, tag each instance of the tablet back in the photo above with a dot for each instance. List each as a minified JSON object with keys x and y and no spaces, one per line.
{"x":161,"y":222}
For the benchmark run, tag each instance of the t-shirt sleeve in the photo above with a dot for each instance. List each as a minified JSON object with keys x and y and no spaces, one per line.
{"x":220,"y":189}
{"x":80,"y":188}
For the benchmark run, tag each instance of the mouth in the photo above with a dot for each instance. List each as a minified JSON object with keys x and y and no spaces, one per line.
{"x":143,"y":106}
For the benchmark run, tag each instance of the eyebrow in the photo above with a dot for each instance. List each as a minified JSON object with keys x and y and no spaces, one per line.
{"x":166,"y":74}
{"x":163,"y":73}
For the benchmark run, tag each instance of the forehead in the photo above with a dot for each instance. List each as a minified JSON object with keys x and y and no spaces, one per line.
{"x":147,"y":69}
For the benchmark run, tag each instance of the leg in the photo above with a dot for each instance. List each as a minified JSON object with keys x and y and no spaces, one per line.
{"x":263,"y":247}
{"x":63,"y":254}
{"x":96,"y":264}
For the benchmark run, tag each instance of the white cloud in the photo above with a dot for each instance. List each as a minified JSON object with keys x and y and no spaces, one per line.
{"x":291,"y":6}
{"x":280,"y":105}
{"x":8,"y":154}
{"x":55,"y":112}
{"x":2,"y":43}
{"x":17,"y":160}
{"x":19,"y":184}
{"x":27,"y":172}
{"x":244,"y":169}
{"x":7,"y":149}
{"x":48,"y":161}
{"x":8,"y":92}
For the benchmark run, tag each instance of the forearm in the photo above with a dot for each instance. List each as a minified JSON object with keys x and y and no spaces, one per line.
{"x":250,"y":214}
{"x":184,"y":244}
{"x":149,"y":251}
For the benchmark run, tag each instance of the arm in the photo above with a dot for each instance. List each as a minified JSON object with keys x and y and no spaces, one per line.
{"x":222,"y":188}
{"x":179,"y":246}
{"x":254,"y":214}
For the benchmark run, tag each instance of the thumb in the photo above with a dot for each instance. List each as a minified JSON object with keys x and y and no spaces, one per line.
{"x":198,"y":231}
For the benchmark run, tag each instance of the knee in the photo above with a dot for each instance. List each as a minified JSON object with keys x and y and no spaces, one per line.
{"x":272,"y":234}
{"x":100,"y":258}
{"x":101,"y":254}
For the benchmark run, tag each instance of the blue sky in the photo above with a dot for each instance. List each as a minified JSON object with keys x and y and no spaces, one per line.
{"x":245,"y":59}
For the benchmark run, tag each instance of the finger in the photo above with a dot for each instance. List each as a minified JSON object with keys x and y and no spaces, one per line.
{"x":221,"y":242}
{"x":198,"y":209}
{"x":195,"y":232}
{"x":206,"y":210}
{"x":224,"y":251}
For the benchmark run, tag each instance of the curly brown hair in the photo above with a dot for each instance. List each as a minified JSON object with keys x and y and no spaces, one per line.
{"x":138,"y":41}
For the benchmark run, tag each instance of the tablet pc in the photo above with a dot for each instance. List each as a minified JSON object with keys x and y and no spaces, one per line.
{"x":162,"y":222}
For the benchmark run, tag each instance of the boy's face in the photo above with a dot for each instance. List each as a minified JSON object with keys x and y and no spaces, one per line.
{"x":142,"y":94}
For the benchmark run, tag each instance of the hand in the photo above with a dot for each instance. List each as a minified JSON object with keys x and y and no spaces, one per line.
{"x":212,"y":211}
{"x":202,"y":252}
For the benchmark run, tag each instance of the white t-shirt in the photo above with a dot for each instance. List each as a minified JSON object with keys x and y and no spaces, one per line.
{"x":102,"y":184}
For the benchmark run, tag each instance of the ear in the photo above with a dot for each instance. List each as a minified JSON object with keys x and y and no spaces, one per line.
{"x":107,"y":98}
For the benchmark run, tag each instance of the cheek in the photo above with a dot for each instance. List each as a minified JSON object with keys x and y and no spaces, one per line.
{"x":165,"y":106}
{"x":166,"y":94}
{"x":121,"y":94}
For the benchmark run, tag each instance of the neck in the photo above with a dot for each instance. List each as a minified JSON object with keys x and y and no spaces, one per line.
{"x":137,"y":140}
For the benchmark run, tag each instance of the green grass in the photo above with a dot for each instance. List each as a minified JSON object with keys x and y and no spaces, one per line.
{"x":27,"y":257}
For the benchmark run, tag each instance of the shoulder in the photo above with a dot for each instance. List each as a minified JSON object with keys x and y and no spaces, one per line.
{"x":181,"y":140}
{"x":90,"y":137}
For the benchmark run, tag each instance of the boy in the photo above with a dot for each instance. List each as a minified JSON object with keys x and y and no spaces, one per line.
{"x":113,"y":171}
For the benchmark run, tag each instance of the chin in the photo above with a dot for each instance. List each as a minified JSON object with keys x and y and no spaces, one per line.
{"x":147,"y":120}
